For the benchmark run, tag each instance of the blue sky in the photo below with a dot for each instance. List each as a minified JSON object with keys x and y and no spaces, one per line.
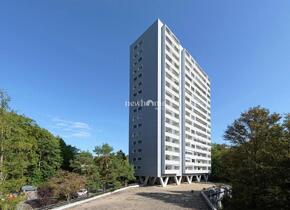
{"x":65,"y":63}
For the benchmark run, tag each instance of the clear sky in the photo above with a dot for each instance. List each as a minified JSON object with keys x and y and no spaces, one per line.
{"x":65,"y":63}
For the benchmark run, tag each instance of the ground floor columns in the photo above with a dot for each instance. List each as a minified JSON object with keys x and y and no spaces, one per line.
{"x":152,"y":180}
{"x":178,"y":179}
{"x":198,"y":178}
{"x":205,"y":176}
{"x":189,"y":179}
{"x":164,"y":182}
{"x":143,"y":180}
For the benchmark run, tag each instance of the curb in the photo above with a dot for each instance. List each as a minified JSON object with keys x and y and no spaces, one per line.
{"x":93,"y":198}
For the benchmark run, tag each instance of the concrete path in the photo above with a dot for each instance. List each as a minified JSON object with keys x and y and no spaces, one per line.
{"x":151,"y":198}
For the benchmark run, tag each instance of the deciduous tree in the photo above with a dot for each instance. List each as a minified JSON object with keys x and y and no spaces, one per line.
{"x":258,"y":161}
{"x":84,"y":164}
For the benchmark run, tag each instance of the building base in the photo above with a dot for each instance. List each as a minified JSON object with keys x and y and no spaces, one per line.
{"x":164,"y":180}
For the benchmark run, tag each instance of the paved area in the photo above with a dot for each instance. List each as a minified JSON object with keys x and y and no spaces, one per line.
{"x":152,"y":198}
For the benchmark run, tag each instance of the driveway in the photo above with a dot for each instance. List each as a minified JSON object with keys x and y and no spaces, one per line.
{"x":172,"y":197}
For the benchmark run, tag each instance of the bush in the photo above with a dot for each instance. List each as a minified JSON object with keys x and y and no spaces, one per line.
{"x":63,"y":185}
{"x":9,"y":201}
{"x":45,"y":193}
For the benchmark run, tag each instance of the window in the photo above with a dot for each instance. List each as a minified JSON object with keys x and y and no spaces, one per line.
{"x":167,"y":167}
{"x":140,"y":59}
{"x":176,"y":66}
{"x":139,"y":150}
{"x":168,"y":40}
{"x":167,"y":30}
{"x":139,"y":158}
{"x":168,"y":58}
{"x":167,"y":48}
{"x":176,"y":48}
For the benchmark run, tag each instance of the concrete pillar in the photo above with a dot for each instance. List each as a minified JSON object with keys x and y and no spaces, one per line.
{"x":198,"y":177}
{"x":152,"y":180}
{"x":189,"y":179}
{"x":177,"y":179}
{"x":163,"y":182}
{"x":145,"y":180}
{"x":205,"y":176}
{"x":141,"y":180}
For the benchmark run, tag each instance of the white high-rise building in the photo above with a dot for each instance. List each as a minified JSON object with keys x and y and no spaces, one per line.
{"x":170,"y":123}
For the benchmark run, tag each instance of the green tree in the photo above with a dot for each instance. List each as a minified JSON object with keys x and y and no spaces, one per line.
{"x":4,"y":101}
{"x":49,"y":153}
{"x":121,"y":155}
{"x":4,"y":130}
{"x":123,"y":172}
{"x":114,"y":168}
{"x":258,"y":161}
{"x":28,"y":154}
{"x":104,"y":163}
{"x":84,"y":164}
{"x":68,"y":153}
{"x":218,"y":162}
{"x":18,"y":151}
{"x":103,"y":151}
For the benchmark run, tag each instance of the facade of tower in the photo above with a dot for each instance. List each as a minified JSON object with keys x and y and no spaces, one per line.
{"x":169,"y":110}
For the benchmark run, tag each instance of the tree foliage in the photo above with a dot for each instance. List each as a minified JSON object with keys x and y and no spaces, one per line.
{"x":49,"y":153}
{"x":83,"y":164}
{"x":104,"y":163}
{"x":219,"y":162}
{"x":63,"y":185}
{"x":114,"y":169}
{"x":257,"y":164}
{"x":28,"y":153}
{"x":123,"y":172}
{"x":68,"y":153}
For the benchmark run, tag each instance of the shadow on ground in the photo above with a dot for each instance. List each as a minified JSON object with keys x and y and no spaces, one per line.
{"x":184,"y":199}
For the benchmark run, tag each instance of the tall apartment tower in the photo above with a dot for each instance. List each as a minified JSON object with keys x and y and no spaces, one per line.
{"x":169,"y":122}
